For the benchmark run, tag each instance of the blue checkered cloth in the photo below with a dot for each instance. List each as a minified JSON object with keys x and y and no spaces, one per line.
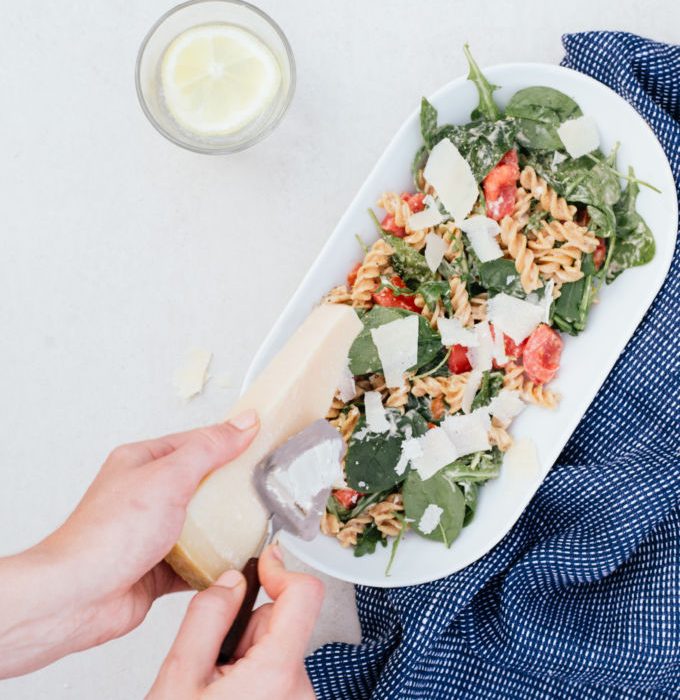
{"x":582,"y":598}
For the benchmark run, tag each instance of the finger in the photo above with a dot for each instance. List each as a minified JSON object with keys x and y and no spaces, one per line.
{"x":205,"y":449}
{"x":257,"y":626}
{"x":135,"y":454}
{"x":297,"y":601}
{"x":208,"y":618}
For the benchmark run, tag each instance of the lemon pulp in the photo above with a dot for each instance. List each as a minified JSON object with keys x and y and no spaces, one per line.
{"x":217,"y":78}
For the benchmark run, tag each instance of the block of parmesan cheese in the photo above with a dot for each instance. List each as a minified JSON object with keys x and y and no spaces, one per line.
{"x":225,"y":522}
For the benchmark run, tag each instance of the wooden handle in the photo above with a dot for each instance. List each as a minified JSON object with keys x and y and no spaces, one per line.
{"x":245,"y":611}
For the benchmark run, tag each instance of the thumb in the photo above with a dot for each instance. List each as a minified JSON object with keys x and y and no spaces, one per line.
{"x":209,"y":616}
{"x":203,"y":450}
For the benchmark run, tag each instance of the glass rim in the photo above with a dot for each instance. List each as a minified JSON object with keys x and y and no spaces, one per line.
{"x":221,"y":150}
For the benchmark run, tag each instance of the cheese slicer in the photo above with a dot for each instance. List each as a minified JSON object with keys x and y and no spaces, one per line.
{"x":294,"y":483}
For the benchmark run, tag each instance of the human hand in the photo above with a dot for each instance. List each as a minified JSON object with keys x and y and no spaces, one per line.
{"x":268,"y":663}
{"x":96,"y":577}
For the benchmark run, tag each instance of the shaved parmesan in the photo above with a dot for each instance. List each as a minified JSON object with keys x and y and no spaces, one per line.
{"x":481,"y":355}
{"x":557,"y":159}
{"x":430,"y":519}
{"x":454,"y":333}
{"x":471,"y":388}
{"x":514,"y":317}
{"x":506,"y":405}
{"x":430,"y":216}
{"x":481,"y":232}
{"x":450,"y":175}
{"x":190,"y":379}
{"x":522,"y":458}
{"x":347,"y":388}
{"x":579,"y":136}
{"x":410,"y":452}
{"x":469,"y":433}
{"x":376,"y":420}
{"x":548,"y":300}
{"x":434,"y":250}
{"x":397,"y":345}
{"x":437,"y":451}
{"x":499,"y":348}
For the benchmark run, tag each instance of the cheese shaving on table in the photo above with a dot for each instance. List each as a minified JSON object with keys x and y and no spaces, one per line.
{"x":428,"y":217}
{"x":346,"y":388}
{"x":190,"y":379}
{"x":481,"y":232}
{"x":469,"y":433}
{"x":579,"y":136}
{"x":437,"y":451}
{"x":450,"y":175}
{"x":376,"y":420}
{"x":481,"y":354}
{"x":454,"y":333}
{"x":434,"y":250}
{"x":397,"y":345}
{"x":471,"y":388}
{"x":514,"y":317}
{"x":506,"y":405}
{"x":430,"y":518}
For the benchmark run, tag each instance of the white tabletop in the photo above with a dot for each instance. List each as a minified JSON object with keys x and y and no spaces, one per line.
{"x":121,"y":251}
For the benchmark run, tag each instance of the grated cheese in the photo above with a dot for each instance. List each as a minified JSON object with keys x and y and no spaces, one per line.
{"x":579,"y":136}
{"x":469,"y":433}
{"x":430,"y":518}
{"x":514,"y":317}
{"x":481,"y":232}
{"x":437,"y":451}
{"x":346,"y":388}
{"x":506,"y":405}
{"x":471,"y":388}
{"x":481,"y":355}
{"x":454,"y":333}
{"x":428,"y":217}
{"x":434,"y":250}
{"x":397,"y":345}
{"x":376,"y":420}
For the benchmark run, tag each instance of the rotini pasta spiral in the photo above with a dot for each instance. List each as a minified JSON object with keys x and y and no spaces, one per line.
{"x":499,"y":436}
{"x":368,"y":275}
{"x":548,"y":199}
{"x":576,"y":236}
{"x":347,"y":536}
{"x":453,"y":389}
{"x":529,"y":391}
{"x":428,"y":386}
{"x":330,"y":524}
{"x":338,"y":295}
{"x":346,"y":422}
{"x":522,"y":209}
{"x":393,"y":204}
{"x":460,"y":301}
{"x":516,"y":243}
{"x":430,"y":314}
{"x":384,"y":514}
{"x":478,"y":305}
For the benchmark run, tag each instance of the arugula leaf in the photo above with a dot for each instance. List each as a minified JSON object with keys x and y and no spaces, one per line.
{"x":475,"y":468}
{"x":487,"y":108}
{"x":368,"y":540}
{"x":371,"y":457}
{"x":428,"y":122}
{"x":436,"y":291}
{"x":363,"y":355}
{"x":539,"y":111}
{"x":501,"y":276}
{"x":470,"y":493}
{"x":397,"y":542}
{"x":410,"y":265}
{"x":439,"y":491}
{"x":570,"y":311}
{"x":492,"y":383}
{"x":419,"y":162}
{"x":634,"y":239}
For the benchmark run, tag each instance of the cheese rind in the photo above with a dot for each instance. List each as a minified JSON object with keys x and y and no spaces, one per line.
{"x":226,"y":522}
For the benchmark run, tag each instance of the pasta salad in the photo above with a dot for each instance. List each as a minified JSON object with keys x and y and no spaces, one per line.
{"x":514,"y":222}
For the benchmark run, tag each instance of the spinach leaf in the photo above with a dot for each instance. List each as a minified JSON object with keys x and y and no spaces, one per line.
{"x":363,"y":355}
{"x":501,"y":276}
{"x":409,"y":263}
{"x":487,"y":108}
{"x":539,"y":111}
{"x":634,"y":240}
{"x":428,"y":122}
{"x":484,"y":143}
{"x":475,"y":468}
{"x":371,"y":457}
{"x":439,"y":491}
{"x":470,"y":493}
{"x":492,"y":383}
{"x":368,"y":540}
{"x":570,"y":311}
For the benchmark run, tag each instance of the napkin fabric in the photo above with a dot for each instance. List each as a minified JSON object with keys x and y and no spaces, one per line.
{"x":582,"y":598}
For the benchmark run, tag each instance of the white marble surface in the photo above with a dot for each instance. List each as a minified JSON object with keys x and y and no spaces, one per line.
{"x":120,"y":251}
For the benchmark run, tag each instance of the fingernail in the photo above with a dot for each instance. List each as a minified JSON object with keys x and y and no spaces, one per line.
{"x":276,"y":553}
{"x":230,"y":579}
{"x":245,"y":420}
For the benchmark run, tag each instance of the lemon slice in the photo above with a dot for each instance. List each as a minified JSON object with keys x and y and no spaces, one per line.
{"x":216,"y":78}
